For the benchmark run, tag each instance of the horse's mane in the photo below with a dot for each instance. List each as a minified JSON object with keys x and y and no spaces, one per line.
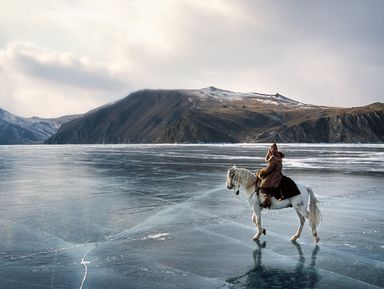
{"x":245,"y":177}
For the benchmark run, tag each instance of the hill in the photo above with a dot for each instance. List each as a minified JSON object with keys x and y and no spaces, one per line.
{"x":19,"y":130}
{"x":212,"y":115}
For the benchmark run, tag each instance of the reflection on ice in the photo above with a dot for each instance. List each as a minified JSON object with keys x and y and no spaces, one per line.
{"x":301,"y":275}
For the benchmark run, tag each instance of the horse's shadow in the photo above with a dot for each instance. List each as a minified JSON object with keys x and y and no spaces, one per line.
{"x":302,"y":275}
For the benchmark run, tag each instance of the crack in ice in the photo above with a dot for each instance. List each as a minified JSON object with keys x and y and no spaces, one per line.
{"x":85,"y":263}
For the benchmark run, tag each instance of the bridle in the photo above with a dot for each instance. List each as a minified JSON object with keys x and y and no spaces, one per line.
{"x":232,"y":176}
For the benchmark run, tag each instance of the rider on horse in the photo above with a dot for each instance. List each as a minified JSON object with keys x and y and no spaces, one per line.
{"x":271,"y":175}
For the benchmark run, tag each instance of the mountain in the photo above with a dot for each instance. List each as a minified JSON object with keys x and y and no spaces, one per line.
{"x":213,"y":115}
{"x":19,"y":130}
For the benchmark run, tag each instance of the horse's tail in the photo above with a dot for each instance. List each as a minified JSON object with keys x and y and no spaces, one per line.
{"x":314,"y":211}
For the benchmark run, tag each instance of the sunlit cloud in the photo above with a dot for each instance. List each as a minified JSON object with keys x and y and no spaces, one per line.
{"x":33,"y":77}
{"x":82,"y":54}
{"x":62,"y":68}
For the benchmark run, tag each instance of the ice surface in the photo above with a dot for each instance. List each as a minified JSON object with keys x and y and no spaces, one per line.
{"x":159,"y":216}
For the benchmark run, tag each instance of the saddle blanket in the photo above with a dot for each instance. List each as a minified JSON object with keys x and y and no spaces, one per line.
{"x":286,"y":189}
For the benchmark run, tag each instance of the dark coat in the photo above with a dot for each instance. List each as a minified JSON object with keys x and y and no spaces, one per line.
{"x":271,"y":175}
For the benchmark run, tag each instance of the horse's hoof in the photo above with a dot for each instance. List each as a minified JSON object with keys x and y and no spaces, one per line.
{"x":256,"y":237}
{"x":317,"y":239}
{"x":294,"y":238}
{"x":264,"y":232}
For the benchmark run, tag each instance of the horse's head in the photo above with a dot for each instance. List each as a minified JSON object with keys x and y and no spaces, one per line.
{"x":230,"y":178}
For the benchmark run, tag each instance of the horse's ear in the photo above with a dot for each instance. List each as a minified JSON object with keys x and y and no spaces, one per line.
{"x":234,"y":166}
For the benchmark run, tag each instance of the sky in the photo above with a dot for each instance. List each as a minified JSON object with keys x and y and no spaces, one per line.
{"x":71,"y":56}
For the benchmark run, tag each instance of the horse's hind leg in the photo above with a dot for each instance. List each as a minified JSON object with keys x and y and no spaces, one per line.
{"x":300,"y":210}
{"x":300,"y":228}
{"x":314,"y":233}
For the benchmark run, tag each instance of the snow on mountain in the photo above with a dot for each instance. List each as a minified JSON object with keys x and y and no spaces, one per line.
{"x":20,"y":130}
{"x":224,"y":95}
{"x":40,"y":125}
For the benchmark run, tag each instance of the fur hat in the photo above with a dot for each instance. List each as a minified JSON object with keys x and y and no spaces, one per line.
{"x":274,"y":147}
{"x":274,"y":151}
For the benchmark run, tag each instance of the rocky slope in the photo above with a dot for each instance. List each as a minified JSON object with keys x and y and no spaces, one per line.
{"x":19,"y":130}
{"x":212,"y":115}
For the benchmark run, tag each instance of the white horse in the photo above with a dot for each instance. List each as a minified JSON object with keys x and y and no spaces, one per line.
{"x":239,"y":177}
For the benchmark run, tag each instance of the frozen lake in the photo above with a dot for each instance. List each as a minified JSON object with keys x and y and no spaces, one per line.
{"x":159,"y":216}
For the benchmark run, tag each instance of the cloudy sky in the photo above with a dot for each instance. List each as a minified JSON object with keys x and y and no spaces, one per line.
{"x":70,"y":56}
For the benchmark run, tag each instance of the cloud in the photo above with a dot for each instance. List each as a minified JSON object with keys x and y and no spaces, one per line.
{"x":33,"y":77}
{"x":61,"y":68}
{"x":328,"y":53}
{"x":90,"y":52}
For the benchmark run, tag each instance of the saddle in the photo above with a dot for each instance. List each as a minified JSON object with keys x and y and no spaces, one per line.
{"x":286,"y":189}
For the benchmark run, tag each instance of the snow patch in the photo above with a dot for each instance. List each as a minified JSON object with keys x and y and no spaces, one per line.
{"x":220,"y":95}
{"x":160,"y":237}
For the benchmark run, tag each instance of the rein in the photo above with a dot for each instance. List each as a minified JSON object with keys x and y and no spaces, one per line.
{"x":252,"y":195}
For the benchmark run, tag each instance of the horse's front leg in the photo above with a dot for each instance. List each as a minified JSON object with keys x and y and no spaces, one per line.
{"x":256,"y":218}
